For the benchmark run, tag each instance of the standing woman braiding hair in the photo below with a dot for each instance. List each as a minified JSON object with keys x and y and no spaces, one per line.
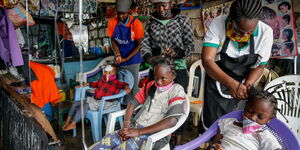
{"x":236,"y":49}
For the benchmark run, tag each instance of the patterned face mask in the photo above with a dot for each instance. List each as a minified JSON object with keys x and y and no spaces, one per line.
{"x":235,"y":35}
{"x":250,"y":126}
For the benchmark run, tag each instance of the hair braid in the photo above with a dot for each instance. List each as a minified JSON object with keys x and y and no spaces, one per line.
{"x":265,"y":96}
{"x":167,"y":61}
{"x":249,"y":9}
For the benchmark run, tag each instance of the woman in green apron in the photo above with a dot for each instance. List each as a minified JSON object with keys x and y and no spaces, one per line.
{"x":236,"y":49}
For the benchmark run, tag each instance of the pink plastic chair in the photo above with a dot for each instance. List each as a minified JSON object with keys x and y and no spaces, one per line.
{"x":289,"y":140}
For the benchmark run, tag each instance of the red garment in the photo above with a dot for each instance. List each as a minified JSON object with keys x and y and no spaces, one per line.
{"x":44,"y":89}
{"x":64,"y":31}
{"x":109,"y":88}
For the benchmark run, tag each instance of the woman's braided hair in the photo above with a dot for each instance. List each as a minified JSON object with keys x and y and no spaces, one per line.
{"x":264,"y":96}
{"x":167,"y":61}
{"x":249,"y":9}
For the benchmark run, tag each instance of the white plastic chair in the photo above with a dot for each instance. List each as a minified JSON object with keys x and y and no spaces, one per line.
{"x":196,"y":108}
{"x":154,"y":137}
{"x":288,"y":88}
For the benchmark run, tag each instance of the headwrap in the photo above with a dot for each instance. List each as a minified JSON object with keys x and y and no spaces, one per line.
{"x":123,"y":5}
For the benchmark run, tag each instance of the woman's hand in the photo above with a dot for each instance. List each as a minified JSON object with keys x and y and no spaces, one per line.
{"x":239,"y":91}
{"x":118,"y":59}
{"x":170,"y":52}
{"x":122,"y":136}
{"x":132,"y":132}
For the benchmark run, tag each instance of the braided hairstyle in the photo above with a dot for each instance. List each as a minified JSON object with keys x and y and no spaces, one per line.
{"x":264,"y":96}
{"x":166,"y":61}
{"x":249,"y":9}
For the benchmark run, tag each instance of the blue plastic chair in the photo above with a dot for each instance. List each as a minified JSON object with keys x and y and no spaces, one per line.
{"x":288,"y":138}
{"x":95,"y":117}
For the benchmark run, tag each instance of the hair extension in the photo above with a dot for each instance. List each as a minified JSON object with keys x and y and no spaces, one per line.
{"x":249,"y":9}
{"x":167,"y":61}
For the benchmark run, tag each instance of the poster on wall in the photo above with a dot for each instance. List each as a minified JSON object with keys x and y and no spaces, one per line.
{"x":208,"y":14}
{"x":278,"y":14}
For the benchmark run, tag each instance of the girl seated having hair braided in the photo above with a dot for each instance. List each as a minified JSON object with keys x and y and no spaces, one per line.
{"x":252,"y":133}
{"x":162,"y":104}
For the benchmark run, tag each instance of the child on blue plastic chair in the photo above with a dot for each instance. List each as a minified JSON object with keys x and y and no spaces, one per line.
{"x":106,"y":86}
{"x":162,"y":105}
{"x":251,"y":133}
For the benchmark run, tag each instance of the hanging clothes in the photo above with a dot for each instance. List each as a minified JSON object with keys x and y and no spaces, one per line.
{"x":44,"y":90}
{"x":10,"y":51}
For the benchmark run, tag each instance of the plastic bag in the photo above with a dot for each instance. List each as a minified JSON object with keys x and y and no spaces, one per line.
{"x":17,"y":15}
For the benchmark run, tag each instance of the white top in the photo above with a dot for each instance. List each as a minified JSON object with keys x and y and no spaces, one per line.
{"x":235,"y":139}
{"x":263,"y":41}
{"x":162,"y":107}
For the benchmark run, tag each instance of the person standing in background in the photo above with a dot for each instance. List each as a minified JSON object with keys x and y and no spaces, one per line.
{"x":126,"y":33}
{"x":169,"y":34}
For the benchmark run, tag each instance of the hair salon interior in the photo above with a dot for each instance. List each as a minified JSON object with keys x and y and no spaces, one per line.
{"x":149,"y":74}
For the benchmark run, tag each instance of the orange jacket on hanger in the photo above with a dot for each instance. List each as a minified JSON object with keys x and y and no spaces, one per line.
{"x":44,"y":89}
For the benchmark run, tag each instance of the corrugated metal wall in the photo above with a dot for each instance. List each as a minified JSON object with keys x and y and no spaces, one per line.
{"x":17,"y":131}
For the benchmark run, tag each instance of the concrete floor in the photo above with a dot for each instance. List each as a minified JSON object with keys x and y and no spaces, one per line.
{"x":74,"y":143}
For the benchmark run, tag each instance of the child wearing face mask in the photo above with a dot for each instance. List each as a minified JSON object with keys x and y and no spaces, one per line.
{"x":106,"y":86}
{"x":162,"y":103}
{"x":251,"y":133}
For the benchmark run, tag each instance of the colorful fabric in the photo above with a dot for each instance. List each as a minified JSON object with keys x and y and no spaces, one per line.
{"x":235,"y":35}
{"x":137,"y":31}
{"x":250,"y":126}
{"x":109,"y":88}
{"x":64,"y":31}
{"x":44,"y":89}
{"x":111,"y":141}
{"x":10,"y":51}
{"x":177,"y":34}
